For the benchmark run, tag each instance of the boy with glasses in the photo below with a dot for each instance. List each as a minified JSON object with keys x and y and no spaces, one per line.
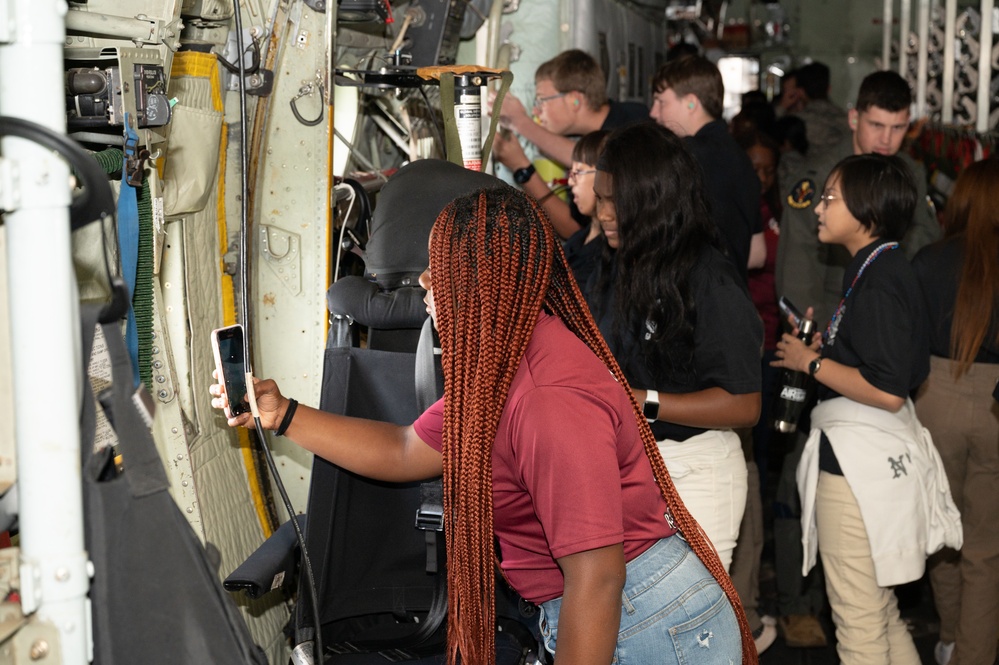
{"x":570,"y":100}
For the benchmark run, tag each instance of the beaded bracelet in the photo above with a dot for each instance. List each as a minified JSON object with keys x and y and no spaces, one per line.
{"x":288,"y":415}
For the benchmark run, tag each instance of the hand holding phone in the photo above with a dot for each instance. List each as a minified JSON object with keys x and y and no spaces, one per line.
{"x":788,"y":309}
{"x":230,"y":370}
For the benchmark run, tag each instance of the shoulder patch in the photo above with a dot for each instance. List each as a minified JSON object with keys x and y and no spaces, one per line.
{"x":802,"y":194}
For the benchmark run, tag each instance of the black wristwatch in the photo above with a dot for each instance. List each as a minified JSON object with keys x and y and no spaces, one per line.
{"x":521,"y":176}
{"x":813,"y":367}
{"x":651,"y":406}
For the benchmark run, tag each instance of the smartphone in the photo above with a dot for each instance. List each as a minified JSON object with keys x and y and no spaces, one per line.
{"x":789,"y":310}
{"x":227,"y":345}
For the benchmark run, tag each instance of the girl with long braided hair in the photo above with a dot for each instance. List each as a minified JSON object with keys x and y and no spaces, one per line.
{"x":543,"y":449}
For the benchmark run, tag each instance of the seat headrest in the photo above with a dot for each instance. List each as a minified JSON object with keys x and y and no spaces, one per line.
{"x":407,"y":207}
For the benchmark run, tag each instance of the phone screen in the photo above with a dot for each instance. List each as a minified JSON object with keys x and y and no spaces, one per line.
{"x":230,"y":360}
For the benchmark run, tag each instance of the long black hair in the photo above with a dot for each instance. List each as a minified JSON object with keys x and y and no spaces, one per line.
{"x":664,"y":227}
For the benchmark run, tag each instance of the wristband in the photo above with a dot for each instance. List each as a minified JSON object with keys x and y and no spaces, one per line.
{"x":651,"y":406}
{"x":288,"y":415}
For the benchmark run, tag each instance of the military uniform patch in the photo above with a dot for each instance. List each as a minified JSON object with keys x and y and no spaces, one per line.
{"x":802,"y":194}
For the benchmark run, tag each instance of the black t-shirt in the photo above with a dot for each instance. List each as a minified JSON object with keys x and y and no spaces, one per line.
{"x":583,"y":256}
{"x":881,"y":330}
{"x":732,"y":189}
{"x":728,"y":338}
{"x":621,"y":114}
{"x":938,"y":268}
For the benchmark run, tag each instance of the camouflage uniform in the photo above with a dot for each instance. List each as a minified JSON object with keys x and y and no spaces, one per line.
{"x":825,"y":125}
{"x":809,"y":272}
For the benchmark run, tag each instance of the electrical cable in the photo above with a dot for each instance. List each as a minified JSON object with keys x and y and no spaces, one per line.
{"x":343,"y":229}
{"x":299,"y":116}
{"x":254,"y":65}
{"x":433,"y":120}
{"x":364,"y":214}
{"x":244,"y":273}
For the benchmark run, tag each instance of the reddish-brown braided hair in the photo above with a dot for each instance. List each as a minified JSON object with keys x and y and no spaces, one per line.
{"x":495,"y":263}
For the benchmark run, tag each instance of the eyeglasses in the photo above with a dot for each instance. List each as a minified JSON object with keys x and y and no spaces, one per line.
{"x":826,"y":198}
{"x":540,"y":101}
{"x":574,"y":174}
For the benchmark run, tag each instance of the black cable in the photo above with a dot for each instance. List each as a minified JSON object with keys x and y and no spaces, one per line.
{"x":304,"y":121}
{"x":95,"y":202}
{"x":254,"y":65}
{"x":364,"y":213}
{"x":433,"y":121}
{"x":244,"y":274}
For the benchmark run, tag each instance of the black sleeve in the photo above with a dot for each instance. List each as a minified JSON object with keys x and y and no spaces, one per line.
{"x":728,"y":338}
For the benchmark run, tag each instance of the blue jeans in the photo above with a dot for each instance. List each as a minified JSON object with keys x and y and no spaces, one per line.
{"x":673,"y":611}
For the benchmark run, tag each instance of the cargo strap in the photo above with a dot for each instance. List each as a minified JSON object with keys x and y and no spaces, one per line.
{"x":451,"y":138}
{"x":430,"y":514}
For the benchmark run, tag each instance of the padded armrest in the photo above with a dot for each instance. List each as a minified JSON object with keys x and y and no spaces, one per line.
{"x":271,"y":566}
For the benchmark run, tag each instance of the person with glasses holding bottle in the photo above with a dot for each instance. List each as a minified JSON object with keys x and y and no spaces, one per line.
{"x":810,"y":272}
{"x":570,"y":100}
{"x":874,"y":497}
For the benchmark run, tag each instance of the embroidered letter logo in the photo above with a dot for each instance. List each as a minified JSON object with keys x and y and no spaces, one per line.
{"x":898,"y":465}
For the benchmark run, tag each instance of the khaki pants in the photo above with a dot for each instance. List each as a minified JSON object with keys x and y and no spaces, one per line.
{"x":964,"y":421}
{"x":868,"y":628}
{"x":745,"y":569}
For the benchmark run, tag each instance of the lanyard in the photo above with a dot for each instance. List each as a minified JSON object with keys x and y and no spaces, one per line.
{"x":830,"y":333}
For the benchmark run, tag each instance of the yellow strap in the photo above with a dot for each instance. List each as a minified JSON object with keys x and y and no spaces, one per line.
{"x":205,"y":65}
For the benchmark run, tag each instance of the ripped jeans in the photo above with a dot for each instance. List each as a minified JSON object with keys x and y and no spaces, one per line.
{"x":673,"y":612}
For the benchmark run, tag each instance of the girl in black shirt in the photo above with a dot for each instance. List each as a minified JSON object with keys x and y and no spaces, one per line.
{"x":676,"y":315}
{"x":864,"y":475}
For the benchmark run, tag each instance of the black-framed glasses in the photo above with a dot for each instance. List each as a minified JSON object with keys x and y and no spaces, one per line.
{"x":540,"y":101}
{"x":826,"y":197}
{"x":575,"y":174}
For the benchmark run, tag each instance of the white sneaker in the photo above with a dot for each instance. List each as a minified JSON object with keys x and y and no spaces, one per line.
{"x":943,"y":652}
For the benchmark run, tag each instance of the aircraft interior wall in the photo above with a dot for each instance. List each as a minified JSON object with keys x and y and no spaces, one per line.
{"x":306,"y":127}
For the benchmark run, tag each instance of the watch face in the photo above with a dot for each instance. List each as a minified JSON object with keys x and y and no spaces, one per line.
{"x":651,"y":410}
{"x":813,"y":366}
